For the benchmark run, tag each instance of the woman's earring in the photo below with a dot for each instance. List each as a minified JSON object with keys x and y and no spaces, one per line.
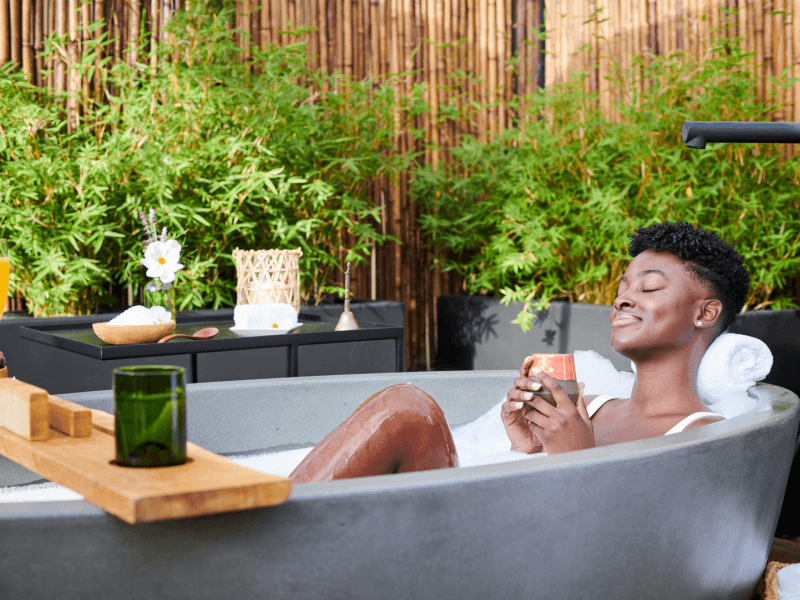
{"x":699,"y":324}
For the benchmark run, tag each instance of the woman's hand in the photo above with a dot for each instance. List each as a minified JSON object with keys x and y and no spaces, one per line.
{"x":561,"y":428}
{"x":519,"y":429}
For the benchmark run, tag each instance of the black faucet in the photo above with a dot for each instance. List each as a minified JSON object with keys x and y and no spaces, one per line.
{"x":696,"y":134}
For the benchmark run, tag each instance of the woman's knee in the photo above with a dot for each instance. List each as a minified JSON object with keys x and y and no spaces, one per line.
{"x":404,"y":395}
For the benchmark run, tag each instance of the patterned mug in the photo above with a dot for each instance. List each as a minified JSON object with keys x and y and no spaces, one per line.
{"x":560,"y":367}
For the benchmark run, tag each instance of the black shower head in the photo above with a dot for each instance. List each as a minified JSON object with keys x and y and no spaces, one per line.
{"x":696,"y":134}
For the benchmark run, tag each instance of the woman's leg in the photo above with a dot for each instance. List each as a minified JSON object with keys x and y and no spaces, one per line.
{"x":397,"y":430}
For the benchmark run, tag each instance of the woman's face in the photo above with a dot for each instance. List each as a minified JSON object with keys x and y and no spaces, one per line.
{"x":656,"y":307}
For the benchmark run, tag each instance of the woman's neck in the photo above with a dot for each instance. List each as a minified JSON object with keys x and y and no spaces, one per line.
{"x":667,"y":384}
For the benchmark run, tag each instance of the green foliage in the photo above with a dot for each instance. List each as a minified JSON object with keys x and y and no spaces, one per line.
{"x":254,"y":154}
{"x":543,"y":212}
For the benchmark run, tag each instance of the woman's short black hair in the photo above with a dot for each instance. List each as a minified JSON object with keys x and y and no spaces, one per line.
{"x":711,"y":260}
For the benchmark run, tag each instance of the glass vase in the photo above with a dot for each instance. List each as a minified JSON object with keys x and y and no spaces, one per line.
{"x":158,"y":293}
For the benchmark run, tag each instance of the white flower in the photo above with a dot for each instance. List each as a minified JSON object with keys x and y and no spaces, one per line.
{"x":161,"y":260}
{"x":159,"y":314}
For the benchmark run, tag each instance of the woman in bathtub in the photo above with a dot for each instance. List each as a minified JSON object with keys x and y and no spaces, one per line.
{"x":682,"y":289}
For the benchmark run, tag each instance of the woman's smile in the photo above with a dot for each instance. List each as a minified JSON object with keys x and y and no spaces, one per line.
{"x":623,"y":318}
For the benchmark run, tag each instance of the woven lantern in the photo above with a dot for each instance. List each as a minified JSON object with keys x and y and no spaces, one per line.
{"x":268,"y":276}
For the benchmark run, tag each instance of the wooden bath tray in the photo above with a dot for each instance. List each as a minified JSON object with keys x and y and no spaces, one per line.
{"x":207,"y":484}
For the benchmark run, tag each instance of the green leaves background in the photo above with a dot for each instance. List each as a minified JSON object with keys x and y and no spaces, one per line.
{"x":229,"y":154}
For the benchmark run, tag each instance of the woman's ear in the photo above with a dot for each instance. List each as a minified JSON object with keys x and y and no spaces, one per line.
{"x":710,"y":313}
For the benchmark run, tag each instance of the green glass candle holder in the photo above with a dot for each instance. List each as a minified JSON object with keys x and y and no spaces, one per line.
{"x":150,"y":416}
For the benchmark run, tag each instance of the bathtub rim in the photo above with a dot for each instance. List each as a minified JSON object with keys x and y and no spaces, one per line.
{"x":785,"y":406}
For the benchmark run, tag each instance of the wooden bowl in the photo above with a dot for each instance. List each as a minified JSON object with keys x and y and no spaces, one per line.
{"x":121,"y":335}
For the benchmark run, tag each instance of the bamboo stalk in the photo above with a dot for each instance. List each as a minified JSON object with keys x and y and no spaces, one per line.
{"x":374,"y":33}
{"x":99,"y":13}
{"x":549,"y":67}
{"x":570,"y":39}
{"x":247,"y":36}
{"x":135,"y":11}
{"x":265,"y":37}
{"x":16,"y":39}
{"x":715,"y":31}
{"x":59,"y":84}
{"x":38,"y":27}
{"x":471,"y":58}
{"x":619,"y":59}
{"x":283,"y":18}
{"x":460,"y":33}
{"x":704,"y":16}
{"x":85,"y":20}
{"x":769,"y":54}
{"x":519,"y":35}
{"x":482,"y":66}
{"x":507,"y":69}
{"x":27,"y":39}
{"x":778,"y":49}
{"x":347,"y":24}
{"x":499,"y":31}
{"x":5,"y":32}
{"x":670,"y":26}
{"x":381,"y":10}
{"x":564,"y":46}
{"x":796,"y":69}
{"x":73,"y":75}
{"x":440,"y":77}
{"x":624,"y":47}
{"x":758,"y":42}
{"x":788,"y":62}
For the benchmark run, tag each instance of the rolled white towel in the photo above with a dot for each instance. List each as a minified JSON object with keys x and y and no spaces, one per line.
{"x":731,"y":366}
{"x":789,"y":582}
{"x":265,"y":316}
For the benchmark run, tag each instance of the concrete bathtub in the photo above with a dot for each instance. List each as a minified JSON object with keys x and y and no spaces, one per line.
{"x":684,"y":516}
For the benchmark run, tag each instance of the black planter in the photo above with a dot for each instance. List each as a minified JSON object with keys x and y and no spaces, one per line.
{"x":476,"y":332}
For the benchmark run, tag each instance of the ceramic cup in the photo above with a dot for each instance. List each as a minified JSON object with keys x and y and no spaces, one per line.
{"x":560,"y":367}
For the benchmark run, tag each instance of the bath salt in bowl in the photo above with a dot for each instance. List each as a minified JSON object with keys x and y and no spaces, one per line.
{"x":121,"y":335}
{"x":137,"y":325}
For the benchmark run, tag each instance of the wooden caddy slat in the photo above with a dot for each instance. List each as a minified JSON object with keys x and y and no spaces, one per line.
{"x":206,"y":484}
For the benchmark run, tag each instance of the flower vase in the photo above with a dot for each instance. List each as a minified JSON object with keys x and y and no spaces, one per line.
{"x":158,"y":293}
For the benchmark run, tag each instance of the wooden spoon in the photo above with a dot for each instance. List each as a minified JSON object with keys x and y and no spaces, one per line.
{"x":203,"y":334}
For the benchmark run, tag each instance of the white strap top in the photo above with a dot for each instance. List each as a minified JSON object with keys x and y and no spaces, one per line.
{"x":595,"y":405}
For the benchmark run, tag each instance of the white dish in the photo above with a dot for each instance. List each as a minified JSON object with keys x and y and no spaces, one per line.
{"x":241,"y":331}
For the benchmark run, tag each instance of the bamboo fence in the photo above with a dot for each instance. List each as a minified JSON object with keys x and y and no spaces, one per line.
{"x":429,"y":41}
